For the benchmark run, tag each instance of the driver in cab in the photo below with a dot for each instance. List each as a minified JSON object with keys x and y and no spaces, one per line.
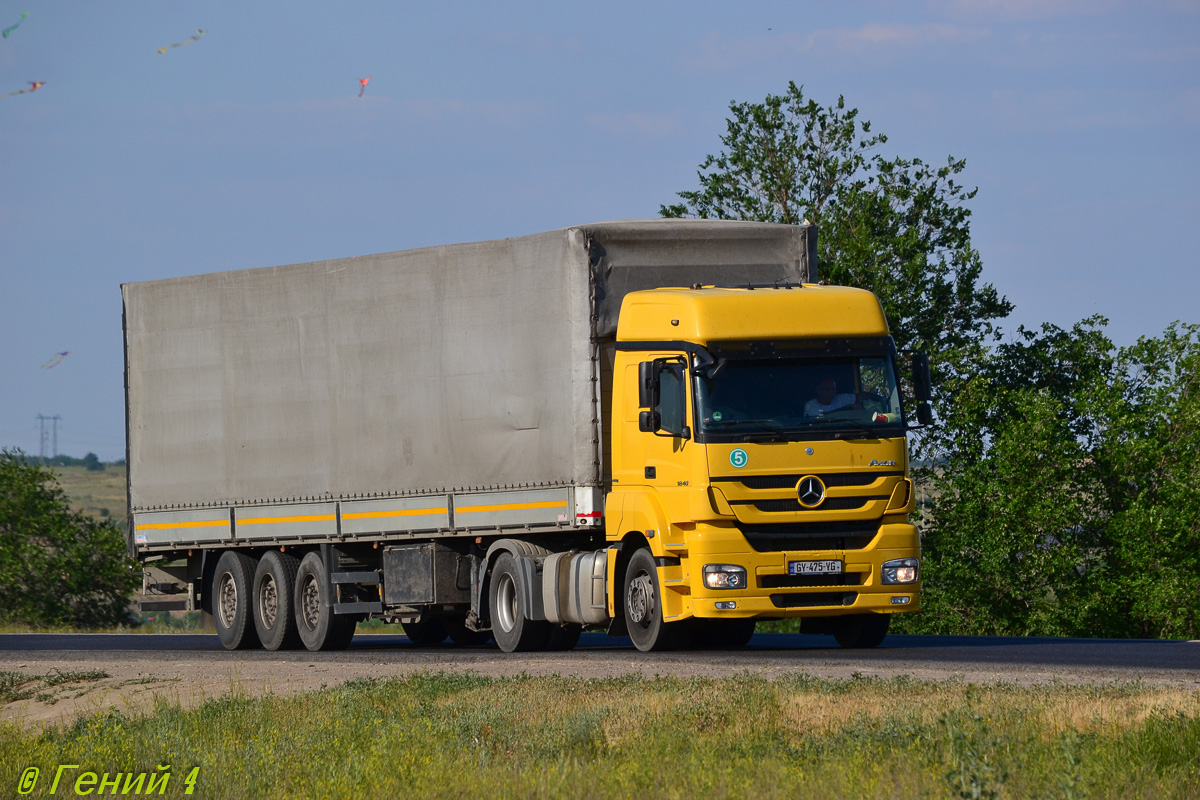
{"x":828,"y":399}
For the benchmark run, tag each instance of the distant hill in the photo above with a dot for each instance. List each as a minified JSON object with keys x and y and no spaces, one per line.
{"x":98,"y":493}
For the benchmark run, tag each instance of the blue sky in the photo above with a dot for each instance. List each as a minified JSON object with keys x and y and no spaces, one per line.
{"x":1079,"y":122}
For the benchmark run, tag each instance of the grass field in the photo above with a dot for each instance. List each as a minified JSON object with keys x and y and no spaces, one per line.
{"x":435,"y":735}
{"x":99,"y":493}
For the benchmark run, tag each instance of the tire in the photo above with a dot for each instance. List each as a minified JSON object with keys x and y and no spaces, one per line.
{"x":511,"y":630}
{"x":722,"y":634}
{"x":319,"y":627}
{"x":232,"y":601}
{"x":425,"y":634}
{"x":563,"y":637}
{"x":643,"y":607}
{"x":460,"y":634}
{"x":861,"y":631}
{"x":274,"y":606}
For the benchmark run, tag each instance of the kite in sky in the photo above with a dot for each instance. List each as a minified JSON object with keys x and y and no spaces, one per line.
{"x":33,"y":87}
{"x":14,"y":26}
{"x":199,"y":32}
{"x":364,"y":82}
{"x":54,"y":362}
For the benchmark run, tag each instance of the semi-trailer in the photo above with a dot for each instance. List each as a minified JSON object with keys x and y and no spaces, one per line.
{"x":665,"y":429}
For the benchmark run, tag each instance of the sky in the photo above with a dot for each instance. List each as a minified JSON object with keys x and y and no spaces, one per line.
{"x":1079,"y":122}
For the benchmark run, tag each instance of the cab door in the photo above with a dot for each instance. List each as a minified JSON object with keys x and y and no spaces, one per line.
{"x":658,"y":450}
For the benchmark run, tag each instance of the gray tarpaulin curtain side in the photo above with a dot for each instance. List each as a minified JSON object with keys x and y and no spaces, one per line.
{"x":453,"y":367}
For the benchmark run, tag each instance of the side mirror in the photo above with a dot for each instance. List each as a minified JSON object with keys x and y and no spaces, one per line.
{"x":648,"y":384}
{"x":922,"y":383}
{"x":924,"y":413}
{"x":648,"y":421}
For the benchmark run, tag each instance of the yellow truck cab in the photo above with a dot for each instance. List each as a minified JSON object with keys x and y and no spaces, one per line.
{"x":750,"y":497}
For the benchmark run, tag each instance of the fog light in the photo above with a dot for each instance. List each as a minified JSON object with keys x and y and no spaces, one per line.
{"x":902,"y":570}
{"x":727,"y":605}
{"x":900,"y":601}
{"x":724,"y":576}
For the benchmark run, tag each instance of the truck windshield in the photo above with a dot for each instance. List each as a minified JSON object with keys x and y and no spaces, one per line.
{"x":794,"y":397}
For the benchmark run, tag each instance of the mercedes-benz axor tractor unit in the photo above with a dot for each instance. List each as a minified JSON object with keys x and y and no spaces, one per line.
{"x":663,"y":429}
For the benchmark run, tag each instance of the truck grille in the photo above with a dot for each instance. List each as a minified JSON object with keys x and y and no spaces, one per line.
{"x":830,"y":504}
{"x":830,"y":480}
{"x":814,"y":599}
{"x":806,"y":581}
{"x":853,"y":535}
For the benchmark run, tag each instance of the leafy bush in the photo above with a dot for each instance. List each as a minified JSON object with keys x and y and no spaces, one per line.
{"x":57,"y":566}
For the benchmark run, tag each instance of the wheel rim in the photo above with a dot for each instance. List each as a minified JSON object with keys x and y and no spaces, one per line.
{"x":268,"y":601}
{"x":227,"y":600}
{"x":640,"y":600}
{"x":311,"y":603}
{"x":506,"y":603}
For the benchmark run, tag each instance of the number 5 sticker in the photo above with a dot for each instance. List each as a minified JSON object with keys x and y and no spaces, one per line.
{"x":738,"y":458}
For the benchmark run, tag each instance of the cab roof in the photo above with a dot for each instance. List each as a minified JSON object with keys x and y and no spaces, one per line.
{"x":716,"y":313}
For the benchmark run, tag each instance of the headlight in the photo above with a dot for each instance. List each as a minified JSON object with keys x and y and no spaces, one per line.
{"x":724,"y":576}
{"x":902,"y":570}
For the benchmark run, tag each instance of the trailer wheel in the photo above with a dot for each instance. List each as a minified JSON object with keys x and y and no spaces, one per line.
{"x":643,"y":606}
{"x":861,"y":631}
{"x":425,"y":634}
{"x":274,"y":607}
{"x":319,"y":627}
{"x":232,"y":601}
{"x":510,"y":628}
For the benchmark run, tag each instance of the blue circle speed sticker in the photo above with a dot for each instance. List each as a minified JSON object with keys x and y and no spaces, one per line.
{"x":738,"y":458}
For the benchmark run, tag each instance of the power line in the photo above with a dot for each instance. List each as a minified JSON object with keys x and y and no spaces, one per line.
{"x":42,"y":419}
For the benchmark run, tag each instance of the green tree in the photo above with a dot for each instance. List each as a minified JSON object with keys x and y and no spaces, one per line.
{"x":57,"y":566}
{"x":1149,"y":457}
{"x":898,"y":227}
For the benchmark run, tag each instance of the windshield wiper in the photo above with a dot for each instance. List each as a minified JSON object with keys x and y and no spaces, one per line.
{"x":844,"y":423}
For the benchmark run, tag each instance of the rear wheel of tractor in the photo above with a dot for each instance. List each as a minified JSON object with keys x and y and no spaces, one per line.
{"x":274,"y":608}
{"x":320,"y":628}
{"x":510,"y":628}
{"x":233,"y":612}
{"x":861,"y":631}
{"x":643,"y":606}
{"x":425,"y":634}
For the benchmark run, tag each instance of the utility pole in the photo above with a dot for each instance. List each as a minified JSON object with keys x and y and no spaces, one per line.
{"x":42,"y":439}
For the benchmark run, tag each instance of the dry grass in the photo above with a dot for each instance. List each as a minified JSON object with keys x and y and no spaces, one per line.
{"x":438,"y":735}
{"x":96,"y":492}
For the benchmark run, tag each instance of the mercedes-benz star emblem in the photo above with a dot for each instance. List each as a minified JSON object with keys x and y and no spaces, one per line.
{"x":811,"y":491}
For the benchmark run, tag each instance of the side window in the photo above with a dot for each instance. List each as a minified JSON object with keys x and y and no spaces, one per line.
{"x":672,"y":402}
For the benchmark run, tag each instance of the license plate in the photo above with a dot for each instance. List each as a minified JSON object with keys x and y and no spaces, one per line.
{"x":814,"y":568}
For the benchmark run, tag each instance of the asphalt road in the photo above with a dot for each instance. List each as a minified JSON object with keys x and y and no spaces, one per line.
{"x":1133,"y":657}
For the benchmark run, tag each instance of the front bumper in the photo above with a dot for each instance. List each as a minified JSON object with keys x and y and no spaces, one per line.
{"x":771,"y":593}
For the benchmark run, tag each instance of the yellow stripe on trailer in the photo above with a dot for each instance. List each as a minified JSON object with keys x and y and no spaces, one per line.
{"x":511,"y":507}
{"x":169,"y":525}
{"x":410,"y":512}
{"x":269,"y":520}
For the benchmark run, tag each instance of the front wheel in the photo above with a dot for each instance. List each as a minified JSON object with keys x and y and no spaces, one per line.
{"x":643,"y":606}
{"x":861,"y":631}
